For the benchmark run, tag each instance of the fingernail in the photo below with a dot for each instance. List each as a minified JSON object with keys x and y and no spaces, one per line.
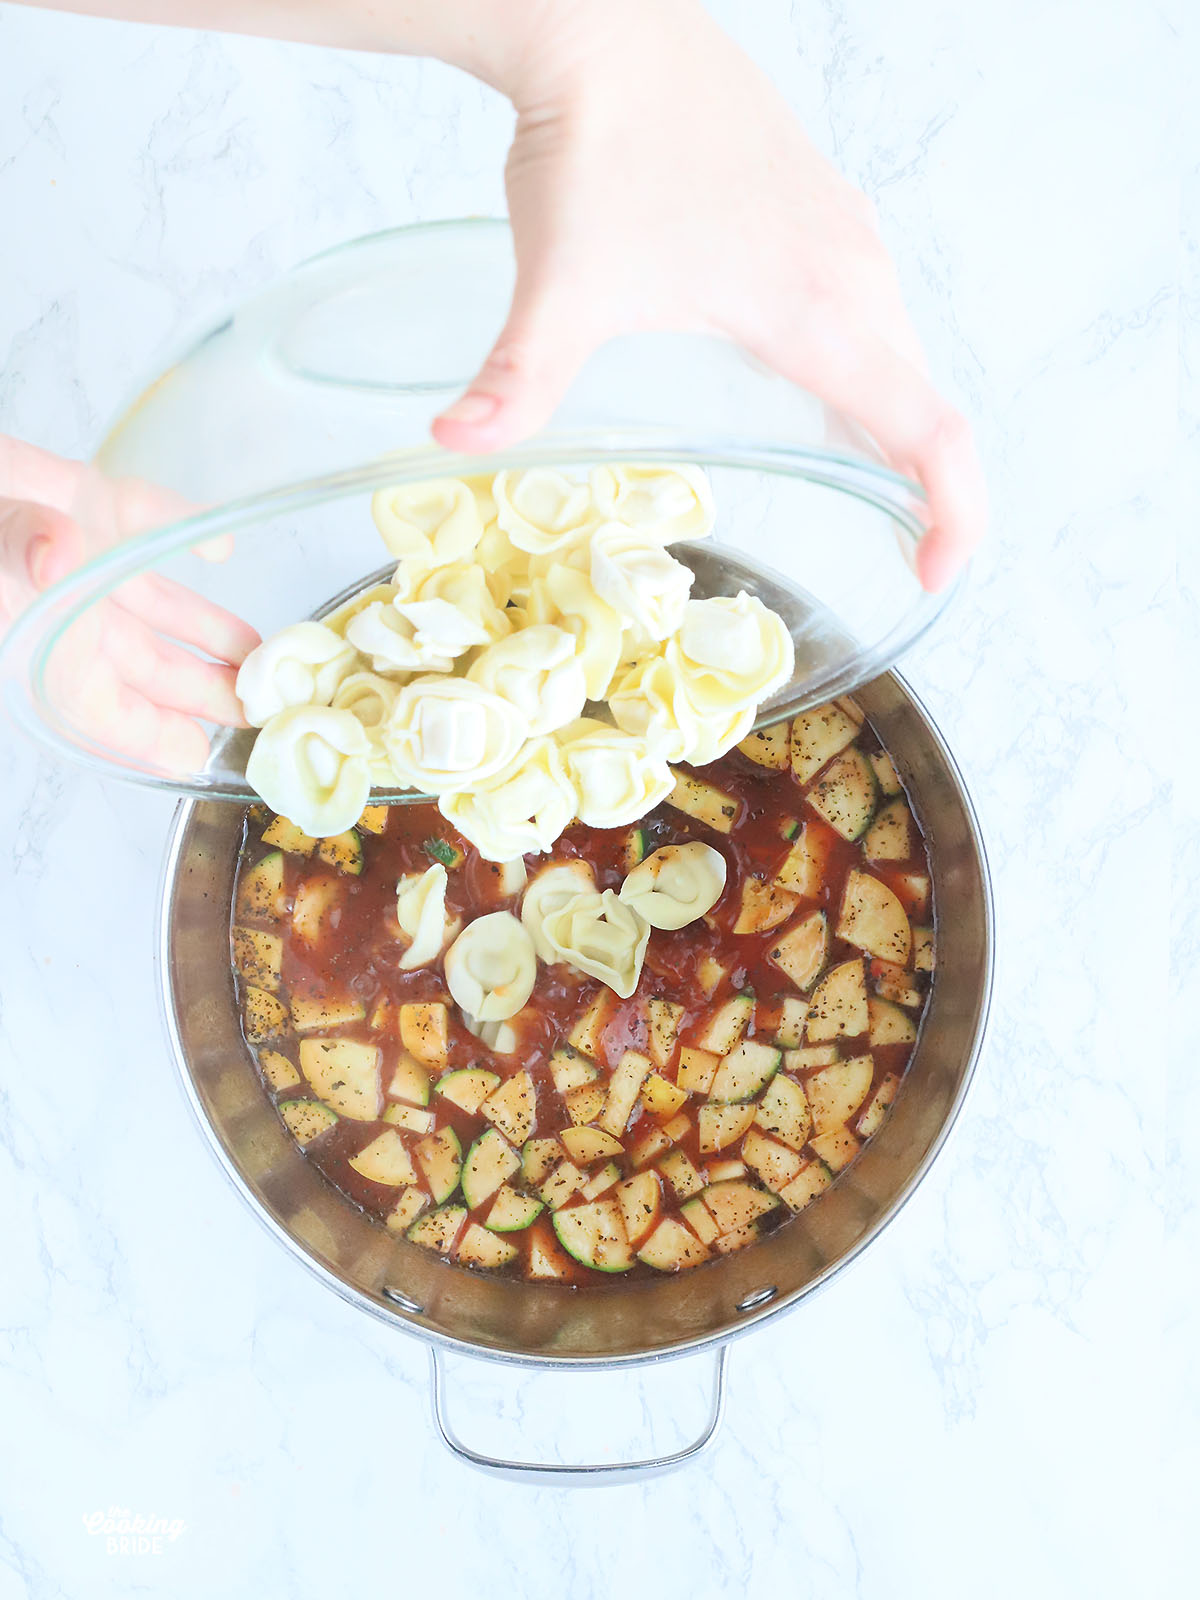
{"x":472,"y":408}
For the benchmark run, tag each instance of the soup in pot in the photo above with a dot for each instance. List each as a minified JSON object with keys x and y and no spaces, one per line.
{"x":780,"y":902}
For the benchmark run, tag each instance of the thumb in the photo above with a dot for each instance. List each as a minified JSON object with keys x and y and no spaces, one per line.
{"x":38,"y":546}
{"x":542,"y":346}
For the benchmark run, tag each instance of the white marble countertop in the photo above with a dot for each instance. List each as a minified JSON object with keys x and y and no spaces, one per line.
{"x":160,"y":1356}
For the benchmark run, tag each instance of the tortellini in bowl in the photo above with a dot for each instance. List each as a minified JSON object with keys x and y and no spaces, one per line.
{"x":536,"y":658}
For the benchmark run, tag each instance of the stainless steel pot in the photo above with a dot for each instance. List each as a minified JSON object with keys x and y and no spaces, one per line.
{"x":608,"y":1326}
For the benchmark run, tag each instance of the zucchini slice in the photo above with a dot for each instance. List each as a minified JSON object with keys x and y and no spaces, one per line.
{"x":774,"y":1164}
{"x":810,"y":1056}
{"x":885,"y":773}
{"x":722,"y":1171}
{"x":373,"y":819}
{"x":539,"y":1158}
{"x":595,"y":1235}
{"x":802,"y":951}
{"x":784,"y":1112}
{"x":648,"y":1145}
{"x":623,"y":1089}
{"x":671,"y":1247}
{"x":817,"y":736}
{"x":697,"y":1069}
{"x":585,"y":1145}
{"x":511,"y":1210}
{"x":306,"y":1119}
{"x":601,"y":1181}
{"x":890,"y":836}
{"x":260,"y":895}
{"x":889,"y":1025}
{"x":314,"y":903}
{"x":278,"y":1070}
{"x":410,"y":1081}
{"x":439,"y":1229}
{"x":635,"y":849}
{"x":783,"y":1019}
{"x":258,"y":957}
{"x":837,"y":1148}
{"x":415,"y":1119}
{"x":660,"y":1098}
{"x":835,"y":1093}
{"x":802,"y":868}
{"x":679,"y":1171}
{"x":640,"y":1200}
{"x":324,"y":1011}
{"x":764,"y":906}
{"x":264,"y":1016}
{"x":839,"y":1004}
{"x":425,"y":1031}
{"x":699,"y":1219}
{"x":726,"y":1243}
{"x":562,"y":1183}
{"x":922,"y":949}
{"x":439,"y":1156}
{"x":845,"y":794}
{"x":407,"y":1209}
{"x":587,"y":1033}
{"x":385,"y":1160}
{"x":725,"y":1026}
{"x":852,"y":709}
{"x":723,"y":1125}
{"x":871,"y":1119}
{"x":873,"y":919}
{"x":806,"y":1185}
{"x":490,"y":1162}
{"x":343,"y":851}
{"x":768,"y":747}
{"x":480,"y":1247}
{"x":345,"y":1074}
{"x":569,"y":1069}
{"x":467,"y":1088}
{"x":737,"y":1203}
{"x":285,"y":835}
{"x":512,"y":1108}
{"x":744,"y":1071}
{"x":663,"y":1018}
{"x":703,"y":801}
{"x":585,"y":1103}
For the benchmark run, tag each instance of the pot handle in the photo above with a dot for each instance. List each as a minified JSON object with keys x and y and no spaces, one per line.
{"x":576,"y":1475}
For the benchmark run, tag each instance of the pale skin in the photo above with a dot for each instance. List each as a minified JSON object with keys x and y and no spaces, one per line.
{"x":720,"y":215}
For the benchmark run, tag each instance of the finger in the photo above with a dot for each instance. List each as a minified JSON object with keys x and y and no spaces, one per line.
{"x":918,"y":431}
{"x":177,"y":612}
{"x":541,"y":348}
{"x":133,"y":727}
{"x":166,"y":674}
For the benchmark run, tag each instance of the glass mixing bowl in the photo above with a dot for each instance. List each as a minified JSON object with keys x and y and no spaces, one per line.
{"x":269,"y":434}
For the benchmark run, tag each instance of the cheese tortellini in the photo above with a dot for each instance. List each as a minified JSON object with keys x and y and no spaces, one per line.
{"x":600,"y":935}
{"x":522,"y":809}
{"x":549,"y":892}
{"x":676,"y":884}
{"x":537,"y":671}
{"x":312,"y":765}
{"x":617,"y":776}
{"x":301,"y":665}
{"x":447,"y":734}
{"x":491,"y":967}
{"x":435,"y":522}
{"x":421,"y":914}
{"x":519,"y":602}
{"x":666,"y":502}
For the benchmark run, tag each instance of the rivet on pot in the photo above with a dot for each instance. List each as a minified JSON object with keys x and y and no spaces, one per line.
{"x":758,"y":1298}
{"x":403,"y":1301}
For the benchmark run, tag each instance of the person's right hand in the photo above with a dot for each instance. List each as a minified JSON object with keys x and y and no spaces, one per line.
{"x":126,"y":674}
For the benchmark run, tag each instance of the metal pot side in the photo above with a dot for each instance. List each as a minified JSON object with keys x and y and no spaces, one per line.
{"x":618,"y":1323}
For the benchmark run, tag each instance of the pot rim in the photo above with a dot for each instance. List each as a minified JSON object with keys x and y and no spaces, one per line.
{"x":753,"y":1318}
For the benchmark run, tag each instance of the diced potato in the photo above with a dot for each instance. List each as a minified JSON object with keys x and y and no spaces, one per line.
{"x":871,"y":1118}
{"x":278,"y":1070}
{"x":585,"y":1103}
{"x":263,"y":1016}
{"x":681,"y":1174}
{"x":810,"y":1056}
{"x":837,"y":1148}
{"x":623,"y":1089}
{"x":408,"y":1208}
{"x":258,"y":957}
{"x":513,"y":1107}
{"x":569,"y":1069}
{"x":922,"y":949}
{"x":660,"y":1098}
{"x":701,"y":800}
{"x":414,"y":1119}
{"x":663,"y":1018}
{"x":373,"y":819}
{"x":585,"y":1145}
{"x":768,"y":747}
{"x":697,"y":1069}
{"x":285,"y":835}
{"x":425,"y":1031}
{"x":587,"y":1033}
{"x":325,"y":1011}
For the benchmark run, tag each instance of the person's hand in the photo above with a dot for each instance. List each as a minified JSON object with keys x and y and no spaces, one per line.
{"x":657,"y":180}
{"x":126,"y":673}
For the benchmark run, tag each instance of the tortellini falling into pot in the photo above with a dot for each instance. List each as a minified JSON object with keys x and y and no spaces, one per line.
{"x":549,"y":892}
{"x":676,"y":884}
{"x":421,"y":914}
{"x":600,"y":935}
{"x":301,"y":665}
{"x":312,"y":765}
{"x":491,"y":967}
